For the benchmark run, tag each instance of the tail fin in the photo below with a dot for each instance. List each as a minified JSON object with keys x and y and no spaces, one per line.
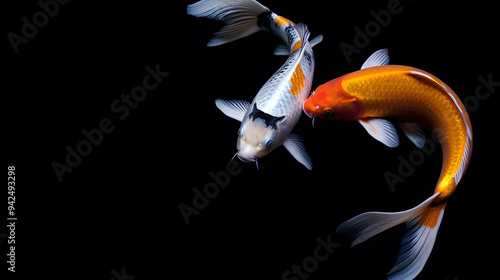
{"x":422,"y":223}
{"x":240,"y":17}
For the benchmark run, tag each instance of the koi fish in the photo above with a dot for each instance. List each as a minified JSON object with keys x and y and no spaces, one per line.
{"x":266,"y":123}
{"x":416,"y":98}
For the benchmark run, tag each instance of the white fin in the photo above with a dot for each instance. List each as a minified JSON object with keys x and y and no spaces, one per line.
{"x":378,"y":58}
{"x":281,"y":49}
{"x":235,"y":109}
{"x":422,"y":225}
{"x":240,"y":17}
{"x":368,"y":224}
{"x":382,"y":130}
{"x":416,"y":244}
{"x":316,"y":40}
{"x":294,"y":145}
{"x":415,"y":133}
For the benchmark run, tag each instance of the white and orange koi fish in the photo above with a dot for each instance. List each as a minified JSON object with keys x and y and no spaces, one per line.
{"x":266,"y":123}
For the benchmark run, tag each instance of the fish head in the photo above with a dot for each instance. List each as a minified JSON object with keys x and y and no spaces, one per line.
{"x":331,"y":102}
{"x":256,"y":140}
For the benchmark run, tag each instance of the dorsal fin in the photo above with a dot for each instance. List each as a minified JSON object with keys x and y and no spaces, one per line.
{"x":378,"y":58}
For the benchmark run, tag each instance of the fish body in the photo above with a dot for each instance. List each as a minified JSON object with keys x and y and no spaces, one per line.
{"x":283,"y":95}
{"x":416,"y":99}
{"x":266,"y":122}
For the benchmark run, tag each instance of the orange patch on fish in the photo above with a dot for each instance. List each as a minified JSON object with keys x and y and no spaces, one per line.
{"x":431,"y":218}
{"x":283,"y":21}
{"x":298,"y":81}
{"x":297,"y":45}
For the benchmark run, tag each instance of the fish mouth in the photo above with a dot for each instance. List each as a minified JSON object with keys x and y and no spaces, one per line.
{"x":311,"y":116}
{"x":305,"y":111}
{"x":246,"y":159}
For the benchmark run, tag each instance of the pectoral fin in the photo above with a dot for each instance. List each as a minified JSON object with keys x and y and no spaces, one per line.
{"x":294,"y":145}
{"x":316,"y":40}
{"x":415,"y":133}
{"x":281,"y":49}
{"x":235,"y":109}
{"x":382,"y":130}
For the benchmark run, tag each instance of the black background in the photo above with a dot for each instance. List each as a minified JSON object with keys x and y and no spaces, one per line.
{"x":119,"y":207}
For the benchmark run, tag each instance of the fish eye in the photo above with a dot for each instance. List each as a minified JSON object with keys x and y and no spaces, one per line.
{"x":268,"y":142}
{"x":327,"y":111}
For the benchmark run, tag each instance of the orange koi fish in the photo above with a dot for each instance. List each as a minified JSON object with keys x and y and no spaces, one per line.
{"x":415,"y":98}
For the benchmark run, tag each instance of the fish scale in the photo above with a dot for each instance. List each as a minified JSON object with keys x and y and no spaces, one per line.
{"x":274,"y":97}
{"x":394,"y":91}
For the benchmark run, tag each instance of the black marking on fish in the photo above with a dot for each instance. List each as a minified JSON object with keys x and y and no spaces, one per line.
{"x":268,"y":119}
{"x":290,"y":34}
{"x":264,"y":20}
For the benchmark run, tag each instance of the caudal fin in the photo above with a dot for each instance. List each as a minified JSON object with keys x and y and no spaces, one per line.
{"x":422,"y":225}
{"x":240,"y":17}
